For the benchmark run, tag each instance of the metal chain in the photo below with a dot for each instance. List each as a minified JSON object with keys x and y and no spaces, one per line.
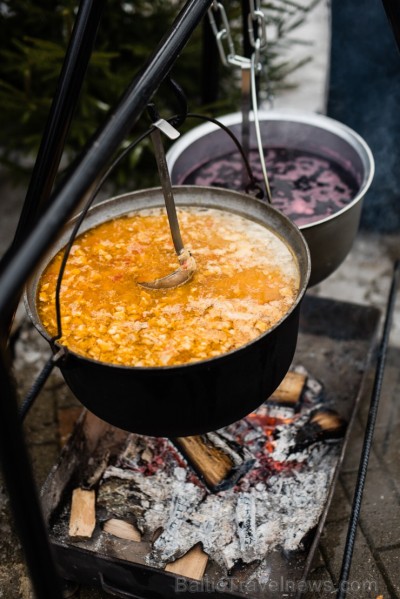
{"x":223,"y":34}
{"x":256,"y":24}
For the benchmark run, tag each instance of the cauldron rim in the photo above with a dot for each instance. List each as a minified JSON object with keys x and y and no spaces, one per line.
{"x":30,"y":302}
{"x":307,"y":118}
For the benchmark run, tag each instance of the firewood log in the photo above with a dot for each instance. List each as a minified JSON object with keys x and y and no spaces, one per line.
{"x":219,"y":460}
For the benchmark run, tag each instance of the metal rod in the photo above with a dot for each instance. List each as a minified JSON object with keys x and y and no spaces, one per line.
{"x":22,"y":491}
{"x":91,"y":164}
{"x":368,"y":437}
{"x":58,"y":123}
{"x":75,"y":188}
{"x":57,"y":126}
{"x":247,"y":48}
{"x":13,"y":453}
{"x":166,"y":185}
{"x":39,"y":383}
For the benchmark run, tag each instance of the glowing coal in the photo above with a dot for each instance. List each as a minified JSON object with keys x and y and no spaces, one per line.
{"x":274,"y":505}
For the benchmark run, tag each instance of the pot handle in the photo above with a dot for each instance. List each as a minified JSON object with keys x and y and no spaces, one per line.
{"x":253,"y":89}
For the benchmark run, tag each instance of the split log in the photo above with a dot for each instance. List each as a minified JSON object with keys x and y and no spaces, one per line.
{"x":82,"y":519}
{"x":122,"y":530}
{"x":324,"y":424}
{"x":289,"y":391}
{"x":219,"y":460}
{"x":192,"y":565}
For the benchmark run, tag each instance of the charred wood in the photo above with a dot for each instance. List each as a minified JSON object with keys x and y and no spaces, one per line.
{"x":219,"y":460}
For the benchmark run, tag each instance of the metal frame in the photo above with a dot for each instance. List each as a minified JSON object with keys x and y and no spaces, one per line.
{"x":31,"y":243}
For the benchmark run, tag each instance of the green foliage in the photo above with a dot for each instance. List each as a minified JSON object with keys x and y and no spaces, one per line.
{"x":35,"y":36}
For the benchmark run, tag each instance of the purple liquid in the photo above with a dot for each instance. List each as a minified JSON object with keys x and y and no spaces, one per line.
{"x":304,"y":186}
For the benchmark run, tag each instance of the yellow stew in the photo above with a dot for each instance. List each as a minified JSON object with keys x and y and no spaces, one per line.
{"x":246,"y":280}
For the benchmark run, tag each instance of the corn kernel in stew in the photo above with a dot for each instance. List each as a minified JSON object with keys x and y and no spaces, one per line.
{"x":246,"y":280}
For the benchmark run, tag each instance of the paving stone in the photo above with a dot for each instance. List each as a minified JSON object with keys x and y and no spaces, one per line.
{"x":389,"y":406}
{"x":14,"y":582}
{"x":340,"y":507}
{"x":365,"y":276}
{"x":319,"y":582}
{"x":353,"y":451}
{"x":341,"y":288}
{"x":43,"y":457}
{"x":390,"y":561}
{"x":365,"y":579}
{"x":387,"y":447}
{"x":380,"y":511}
{"x":12,"y":569}
{"x":10,"y":549}
{"x":319,"y":585}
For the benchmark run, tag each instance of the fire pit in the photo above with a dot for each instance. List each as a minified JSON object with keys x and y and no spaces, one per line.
{"x":161,"y":526}
{"x":275,"y":504}
{"x":333,"y":348}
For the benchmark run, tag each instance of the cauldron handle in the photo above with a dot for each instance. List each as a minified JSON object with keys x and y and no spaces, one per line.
{"x":253,"y":184}
{"x":253,"y":69}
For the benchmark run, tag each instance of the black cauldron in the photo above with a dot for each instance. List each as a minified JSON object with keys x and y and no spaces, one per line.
{"x":197,"y":397}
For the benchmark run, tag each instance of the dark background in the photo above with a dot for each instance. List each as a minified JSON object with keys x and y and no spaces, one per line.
{"x":365,"y":95}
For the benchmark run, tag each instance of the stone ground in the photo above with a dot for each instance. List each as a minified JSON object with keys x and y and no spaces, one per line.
{"x":363,"y":278}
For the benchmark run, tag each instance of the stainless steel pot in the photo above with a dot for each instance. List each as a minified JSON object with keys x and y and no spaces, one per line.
{"x":191,"y":398}
{"x":329,"y":239}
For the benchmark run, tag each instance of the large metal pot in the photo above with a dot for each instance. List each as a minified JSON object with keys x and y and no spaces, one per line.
{"x":193,"y":398}
{"x":329,"y":239}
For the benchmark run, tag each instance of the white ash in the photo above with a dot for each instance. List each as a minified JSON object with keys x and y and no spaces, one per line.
{"x":313,"y":389}
{"x":181,"y":506}
{"x":211,"y":522}
{"x":285,"y":440}
{"x":266,"y":511}
{"x":232,"y":525}
{"x":246,"y":521}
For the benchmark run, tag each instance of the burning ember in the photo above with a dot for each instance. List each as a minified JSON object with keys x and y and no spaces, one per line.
{"x":272,"y":467}
{"x":304,"y":186}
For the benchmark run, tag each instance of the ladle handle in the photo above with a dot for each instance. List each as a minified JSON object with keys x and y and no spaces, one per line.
{"x":167,"y":190}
